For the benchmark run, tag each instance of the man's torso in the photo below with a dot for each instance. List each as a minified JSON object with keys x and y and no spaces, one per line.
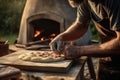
{"x":106,"y":16}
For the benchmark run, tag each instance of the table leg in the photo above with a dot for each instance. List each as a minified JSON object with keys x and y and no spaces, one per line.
{"x":91,"y":68}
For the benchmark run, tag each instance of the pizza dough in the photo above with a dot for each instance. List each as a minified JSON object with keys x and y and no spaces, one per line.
{"x":41,"y":56}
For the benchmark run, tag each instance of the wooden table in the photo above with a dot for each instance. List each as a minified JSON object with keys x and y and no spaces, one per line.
{"x":9,"y":73}
{"x":74,"y":73}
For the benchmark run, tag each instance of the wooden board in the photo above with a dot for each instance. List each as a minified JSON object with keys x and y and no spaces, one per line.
{"x":7,"y":72}
{"x":13,"y":60}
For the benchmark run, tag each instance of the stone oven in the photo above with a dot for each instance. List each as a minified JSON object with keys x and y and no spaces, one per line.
{"x":45,"y":19}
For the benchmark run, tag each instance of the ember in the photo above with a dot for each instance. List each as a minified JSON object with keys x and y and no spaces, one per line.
{"x":37,"y":33}
{"x":45,"y":29}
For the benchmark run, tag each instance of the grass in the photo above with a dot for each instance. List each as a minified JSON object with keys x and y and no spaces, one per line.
{"x":11,"y":38}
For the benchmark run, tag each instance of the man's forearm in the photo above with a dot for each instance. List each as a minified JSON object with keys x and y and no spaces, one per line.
{"x":75,"y":31}
{"x":109,"y":48}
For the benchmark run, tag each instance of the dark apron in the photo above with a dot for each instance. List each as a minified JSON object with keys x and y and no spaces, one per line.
{"x":109,"y":67}
{"x":108,"y":70}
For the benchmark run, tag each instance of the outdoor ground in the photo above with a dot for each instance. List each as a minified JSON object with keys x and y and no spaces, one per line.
{"x":87,"y":74}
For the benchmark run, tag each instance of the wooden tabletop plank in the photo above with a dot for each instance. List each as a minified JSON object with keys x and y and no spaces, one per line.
{"x":72,"y":74}
{"x":13,"y":60}
{"x":8,"y":72}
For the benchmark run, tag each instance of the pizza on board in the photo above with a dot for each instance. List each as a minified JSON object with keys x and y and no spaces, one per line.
{"x":41,"y":56}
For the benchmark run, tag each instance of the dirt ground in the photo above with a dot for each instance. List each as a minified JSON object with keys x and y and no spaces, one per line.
{"x":86,"y":70}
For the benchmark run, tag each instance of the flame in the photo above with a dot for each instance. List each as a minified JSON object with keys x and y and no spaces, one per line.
{"x":52,"y":36}
{"x":37,"y":33}
{"x":43,"y":38}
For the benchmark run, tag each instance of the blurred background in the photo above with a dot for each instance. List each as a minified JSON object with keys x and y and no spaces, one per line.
{"x":10,"y":17}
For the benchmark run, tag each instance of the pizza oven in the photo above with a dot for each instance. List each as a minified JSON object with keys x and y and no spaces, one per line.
{"x":42,"y":20}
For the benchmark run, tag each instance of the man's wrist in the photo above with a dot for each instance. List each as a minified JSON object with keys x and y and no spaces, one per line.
{"x":82,"y":51}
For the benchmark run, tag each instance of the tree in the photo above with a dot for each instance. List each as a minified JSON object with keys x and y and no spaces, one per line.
{"x":10,"y":15}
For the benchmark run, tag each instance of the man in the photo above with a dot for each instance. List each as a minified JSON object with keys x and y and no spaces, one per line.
{"x":105,"y":14}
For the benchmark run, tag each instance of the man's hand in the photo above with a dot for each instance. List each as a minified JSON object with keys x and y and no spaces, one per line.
{"x":57,"y":44}
{"x":72,"y":52}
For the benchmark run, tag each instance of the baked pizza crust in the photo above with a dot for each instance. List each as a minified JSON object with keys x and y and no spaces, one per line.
{"x":41,"y":56}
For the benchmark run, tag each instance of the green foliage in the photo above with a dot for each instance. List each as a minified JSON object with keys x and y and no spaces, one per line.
{"x":10,"y":38}
{"x":10,"y":15}
{"x":94,"y":33}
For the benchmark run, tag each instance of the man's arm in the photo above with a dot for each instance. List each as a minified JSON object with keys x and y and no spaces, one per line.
{"x":109,"y":48}
{"x":75,"y":31}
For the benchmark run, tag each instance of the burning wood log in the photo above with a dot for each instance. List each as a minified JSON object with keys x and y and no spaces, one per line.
{"x":20,"y":45}
{"x":37,"y":47}
{"x":38,"y":42}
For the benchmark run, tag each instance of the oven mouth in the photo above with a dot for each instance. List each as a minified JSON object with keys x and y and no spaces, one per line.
{"x":42,"y":29}
{"x":41,"y":33}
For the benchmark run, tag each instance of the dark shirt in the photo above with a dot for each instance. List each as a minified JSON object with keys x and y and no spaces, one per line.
{"x":105,"y":14}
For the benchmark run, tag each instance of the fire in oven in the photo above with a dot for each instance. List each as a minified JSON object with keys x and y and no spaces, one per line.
{"x":41,"y":32}
{"x":44,"y":29}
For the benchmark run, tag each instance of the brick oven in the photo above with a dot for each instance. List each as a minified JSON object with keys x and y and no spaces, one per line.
{"x":45,"y":19}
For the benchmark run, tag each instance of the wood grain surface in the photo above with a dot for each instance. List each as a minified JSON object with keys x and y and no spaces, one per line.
{"x":13,"y":60}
